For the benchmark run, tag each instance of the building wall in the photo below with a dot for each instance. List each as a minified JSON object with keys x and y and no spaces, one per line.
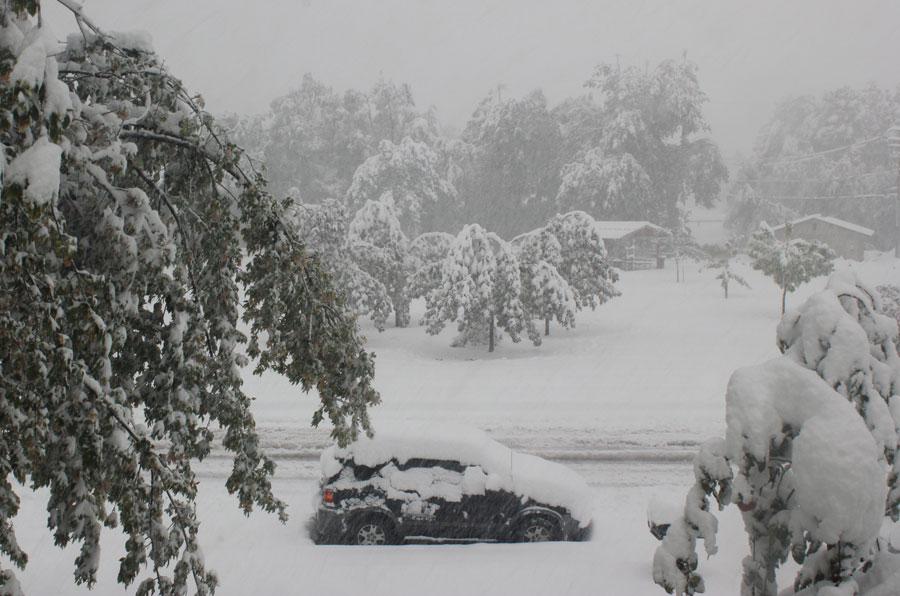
{"x":648,"y":244}
{"x":846,"y":243}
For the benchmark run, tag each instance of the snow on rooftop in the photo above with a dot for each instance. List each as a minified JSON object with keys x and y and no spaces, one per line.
{"x":830,"y":220}
{"x":613,"y":230}
{"x":525,"y":475}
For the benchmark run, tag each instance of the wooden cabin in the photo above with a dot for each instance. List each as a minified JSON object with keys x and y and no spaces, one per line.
{"x":847,"y":239}
{"x":635,"y":244}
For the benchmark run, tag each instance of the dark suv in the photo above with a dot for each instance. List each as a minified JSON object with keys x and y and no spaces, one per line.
{"x":383,"y":492}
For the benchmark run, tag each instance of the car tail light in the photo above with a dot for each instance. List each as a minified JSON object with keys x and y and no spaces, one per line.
{"x":328,"y":496}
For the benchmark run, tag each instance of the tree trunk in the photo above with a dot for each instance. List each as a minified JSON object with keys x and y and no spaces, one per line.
{"x":725,"y":285}
{"x":783,"y":300}
{"x":547,"y":326}
{"x":491,"y":336}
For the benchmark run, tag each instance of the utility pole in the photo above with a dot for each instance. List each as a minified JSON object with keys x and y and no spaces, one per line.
{"x":893,"y":139}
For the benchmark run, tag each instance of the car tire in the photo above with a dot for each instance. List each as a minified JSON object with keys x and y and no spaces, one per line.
{"x":535,"y":528}
{"x":372,"y":530}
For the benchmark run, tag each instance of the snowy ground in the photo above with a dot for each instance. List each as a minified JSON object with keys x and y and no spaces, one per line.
{"x":624,"y":399}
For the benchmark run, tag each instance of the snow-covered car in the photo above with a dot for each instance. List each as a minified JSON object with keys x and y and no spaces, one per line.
{"x":447,"y":484}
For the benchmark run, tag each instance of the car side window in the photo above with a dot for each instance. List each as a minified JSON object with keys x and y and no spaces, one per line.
{"x":416,"y":462}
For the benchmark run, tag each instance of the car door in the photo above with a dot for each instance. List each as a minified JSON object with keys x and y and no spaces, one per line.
{"x":486,"y":510}
{"x":431,"y":494}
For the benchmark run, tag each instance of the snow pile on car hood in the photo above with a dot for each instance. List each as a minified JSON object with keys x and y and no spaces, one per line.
{"x":527,"y":476}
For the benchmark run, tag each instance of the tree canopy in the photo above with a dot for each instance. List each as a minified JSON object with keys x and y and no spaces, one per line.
{"x":136,"y":243}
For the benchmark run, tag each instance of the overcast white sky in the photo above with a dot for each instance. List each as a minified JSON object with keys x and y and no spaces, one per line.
{"x":240,"y":54}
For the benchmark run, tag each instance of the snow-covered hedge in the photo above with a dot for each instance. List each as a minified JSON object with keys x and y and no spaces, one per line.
{"x":809,"y":456}
{"x":527,"y":476}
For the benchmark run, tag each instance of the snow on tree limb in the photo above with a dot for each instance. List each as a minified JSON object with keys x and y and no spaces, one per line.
{"x":132,"y":225}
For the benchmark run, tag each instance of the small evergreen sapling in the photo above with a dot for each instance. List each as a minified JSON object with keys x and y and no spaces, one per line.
{"x":727,"y":275}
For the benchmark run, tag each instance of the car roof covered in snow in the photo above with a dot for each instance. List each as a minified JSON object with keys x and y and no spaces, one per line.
{"x":525,"y":475}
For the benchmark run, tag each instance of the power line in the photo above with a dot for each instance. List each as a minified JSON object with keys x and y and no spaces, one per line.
{"x":810,"y":156}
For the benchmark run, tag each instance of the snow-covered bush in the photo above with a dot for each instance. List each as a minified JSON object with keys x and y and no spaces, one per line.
{"x":890,"y":300}
{"x":791,"y":261}
{"x":811,"y":443}
{"x":130,"y":230}
{"x":480,"y":289}
{"x":381,"y":249}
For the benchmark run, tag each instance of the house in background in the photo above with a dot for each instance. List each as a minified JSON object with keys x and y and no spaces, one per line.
{"x":847,"y":239}
{"x":635,"y":244}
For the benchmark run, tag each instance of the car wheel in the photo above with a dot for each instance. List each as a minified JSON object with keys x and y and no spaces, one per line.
{"x":537,"y":529}
{"x":372,"y":530}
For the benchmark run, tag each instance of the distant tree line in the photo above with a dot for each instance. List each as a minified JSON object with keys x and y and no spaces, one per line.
{"x":821,"y":154}
{"x":634,"y":146}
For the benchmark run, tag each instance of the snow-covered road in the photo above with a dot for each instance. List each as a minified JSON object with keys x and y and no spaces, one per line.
{"x":259,"y":556}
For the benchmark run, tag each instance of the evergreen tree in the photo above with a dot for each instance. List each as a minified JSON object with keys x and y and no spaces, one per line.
{"x":545,"y":294}
{"x":583,"y":263}
{"x":381,"y":249}
{"x":790,"y":261}
{"x":480,"y":289}
{"x":131,"y":227}
{"x":427,"y":253}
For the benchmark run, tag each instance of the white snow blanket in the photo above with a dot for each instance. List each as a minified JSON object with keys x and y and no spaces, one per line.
{"x":527,"y":476}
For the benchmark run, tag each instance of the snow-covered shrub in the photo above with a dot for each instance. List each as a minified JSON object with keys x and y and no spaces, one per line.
{"x":890,"y":300}
{"x":812,"y":441}
{"x":791,"y":261}
{"x":480,"y":289}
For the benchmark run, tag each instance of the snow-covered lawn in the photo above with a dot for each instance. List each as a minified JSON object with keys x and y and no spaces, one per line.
{"x":623,"y":399}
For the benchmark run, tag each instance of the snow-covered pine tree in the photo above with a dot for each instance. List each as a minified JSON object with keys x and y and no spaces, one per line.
{"x":131,"y":226}
{"x":583,"y":262}
{"x":409,"y":170}
{"x":801,"y":492}
{"x":325,"y":231}
{"x":381,"y":249}
{"x":545,"y":294}
{"x":789,"y":261}
{"x":727,"y":275}
{"x":479,"y":289}
{"x":427,"y":252}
